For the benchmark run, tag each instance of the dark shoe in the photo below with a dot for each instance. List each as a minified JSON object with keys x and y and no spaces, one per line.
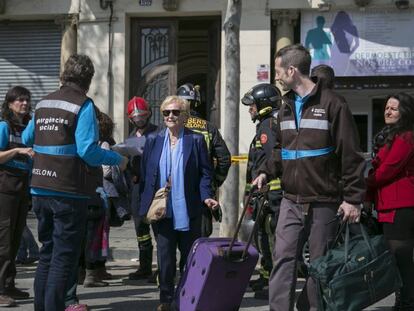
{"x":153,"y":279}
{"x":259,"y":284}
{"x":103,"y":274}
{"x":397,"y":303}
{"x":164,"y":307}
{"x":140,"y":274}
{"x":7,"y":301}
{"x":16,"y":293}
{"x":262,"y":294}
{"x":81,"y":275}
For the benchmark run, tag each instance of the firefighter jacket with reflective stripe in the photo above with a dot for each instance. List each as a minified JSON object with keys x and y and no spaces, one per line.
{"x":57,"y":166}
{"x":218,"y":152}
{"x":319,"y":152}
{"x":261,"y":149}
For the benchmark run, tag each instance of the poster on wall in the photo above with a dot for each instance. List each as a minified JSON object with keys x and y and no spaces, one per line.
{"x":376,"y":42}
{"x":263,"y":73}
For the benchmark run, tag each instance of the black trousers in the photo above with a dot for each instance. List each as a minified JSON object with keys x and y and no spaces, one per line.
{"x":168,"y":240}
{"x":13,"y":213}
{"x":400,"y":238}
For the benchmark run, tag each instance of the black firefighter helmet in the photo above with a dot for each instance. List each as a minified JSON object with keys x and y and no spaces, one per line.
{"x":266,"y":96}
{"x":191,"y":93}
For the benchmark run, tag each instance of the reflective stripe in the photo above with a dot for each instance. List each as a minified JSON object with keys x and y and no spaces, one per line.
{"x":18,"y":164}
{"x":206,"y":135}
{"x":248,"y":187}
{"x":144,"y":238}
{"x":66,"y":150}
{"x":58,"y":104}
{"x":296,"y":154}
{"x":314,"y":124}
{"x":258,"y":144}
{"x":274,"y":184}
{"x":15,"y":139}
{"x":287,"y":125}
{"x":264,"y":273}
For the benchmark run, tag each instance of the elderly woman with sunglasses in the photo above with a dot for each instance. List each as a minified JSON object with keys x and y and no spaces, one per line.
{"x":180,"y":156}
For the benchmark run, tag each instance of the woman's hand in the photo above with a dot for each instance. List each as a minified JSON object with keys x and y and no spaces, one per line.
{"x":211,"y":203}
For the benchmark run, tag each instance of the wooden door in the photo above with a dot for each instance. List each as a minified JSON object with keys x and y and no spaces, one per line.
{"x":154,"y":62}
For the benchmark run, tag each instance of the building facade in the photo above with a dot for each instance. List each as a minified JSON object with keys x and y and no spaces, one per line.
{"x":149,"y":47}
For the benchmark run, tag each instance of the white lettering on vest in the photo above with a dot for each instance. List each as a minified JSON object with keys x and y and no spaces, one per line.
{"x":48,"y":173}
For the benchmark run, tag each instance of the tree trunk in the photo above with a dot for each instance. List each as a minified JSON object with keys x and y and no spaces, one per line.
{"x":230,"y":194}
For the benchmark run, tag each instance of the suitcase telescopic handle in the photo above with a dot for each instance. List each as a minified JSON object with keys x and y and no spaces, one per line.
{"x":262,"y":200}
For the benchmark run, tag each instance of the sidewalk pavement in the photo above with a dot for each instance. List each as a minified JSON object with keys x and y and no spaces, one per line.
{"x":122,"y":294}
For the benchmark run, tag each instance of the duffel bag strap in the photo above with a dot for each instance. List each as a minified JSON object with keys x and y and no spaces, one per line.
{"x":364,"y":236}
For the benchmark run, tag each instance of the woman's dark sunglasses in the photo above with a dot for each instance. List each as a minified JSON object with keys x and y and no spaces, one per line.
{"x":175,"y":112}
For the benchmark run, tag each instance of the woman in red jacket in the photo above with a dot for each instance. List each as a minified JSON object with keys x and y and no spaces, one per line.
{"x":391,"y":182}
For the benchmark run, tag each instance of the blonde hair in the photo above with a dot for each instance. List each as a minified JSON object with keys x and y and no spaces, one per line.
{"x":184,"y":104}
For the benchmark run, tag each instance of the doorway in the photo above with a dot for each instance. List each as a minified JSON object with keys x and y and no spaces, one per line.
{"x":168,"y":52}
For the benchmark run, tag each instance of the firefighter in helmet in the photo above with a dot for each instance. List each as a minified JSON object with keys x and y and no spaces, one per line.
{"x":139,"y":114}
{"x":263,"y":101}
{"x":218,"y":152}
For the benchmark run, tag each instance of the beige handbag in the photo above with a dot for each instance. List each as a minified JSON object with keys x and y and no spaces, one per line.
{"x":158,"y":208}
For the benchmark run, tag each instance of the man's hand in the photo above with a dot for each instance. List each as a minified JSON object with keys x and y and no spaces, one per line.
{"x":211,"y":203}
{"x":350,"y":212}
{"x":260,"y":181}
{"x":124,"y":163}
{"x":26,"y":151}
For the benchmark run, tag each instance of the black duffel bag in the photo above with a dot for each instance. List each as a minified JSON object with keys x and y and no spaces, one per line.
{"x":355,"y":274}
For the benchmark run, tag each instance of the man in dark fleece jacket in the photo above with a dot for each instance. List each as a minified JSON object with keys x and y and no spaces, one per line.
{"x":317,"y":147}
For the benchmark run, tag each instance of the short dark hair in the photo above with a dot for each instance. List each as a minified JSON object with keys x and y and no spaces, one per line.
{"x":324,"y":73}
{"x":295,"y":55}
{"x":78,"y":69}
{"x":106,"y":127}
{"x":16,"y":92}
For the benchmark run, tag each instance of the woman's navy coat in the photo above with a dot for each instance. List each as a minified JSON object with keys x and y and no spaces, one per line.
{"x":197,"y":171}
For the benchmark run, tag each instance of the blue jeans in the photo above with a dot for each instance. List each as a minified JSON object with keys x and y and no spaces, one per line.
{"x":28,"y":247}
{"x":61,"y":226}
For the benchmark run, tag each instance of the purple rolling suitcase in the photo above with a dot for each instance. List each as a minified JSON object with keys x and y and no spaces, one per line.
{"x":217,"y":273}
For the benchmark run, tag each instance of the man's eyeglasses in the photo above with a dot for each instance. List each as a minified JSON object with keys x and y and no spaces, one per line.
{"x":175,"y":112}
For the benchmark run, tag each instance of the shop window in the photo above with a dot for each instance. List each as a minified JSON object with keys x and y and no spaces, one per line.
{"x":361,"y":121}
{"x":378,"y":105}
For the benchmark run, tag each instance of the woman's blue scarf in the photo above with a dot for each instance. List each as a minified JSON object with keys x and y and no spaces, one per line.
{"x":171,"y":164}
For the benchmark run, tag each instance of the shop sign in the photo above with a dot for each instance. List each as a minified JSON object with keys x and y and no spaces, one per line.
{"x":145,"y":2}
{"x":374,"y":42}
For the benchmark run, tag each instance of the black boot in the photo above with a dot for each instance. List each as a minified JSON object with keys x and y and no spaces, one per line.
{"x":145,"y":265}
{"x":259,"y":284}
